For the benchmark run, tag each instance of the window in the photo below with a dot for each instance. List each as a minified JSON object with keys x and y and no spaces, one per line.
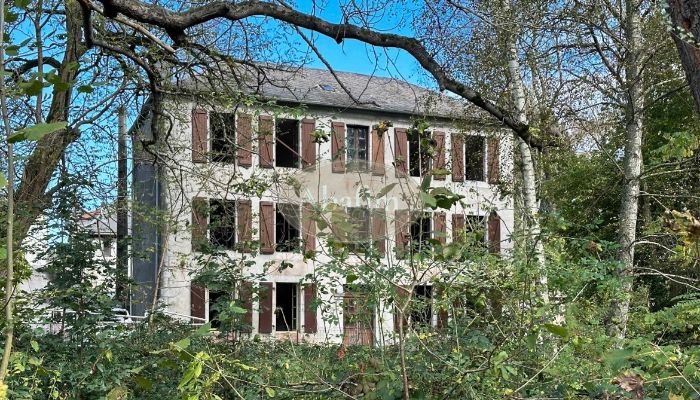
{"x":223,"y":133}
{"x":357,"y":146}
{"x":420,"y":232}
{"x":474,"y":158}
{"x":475,"y":229}
{"x":216,"y":301}
{"x":107,"y":248}
{"x":222,"y":223}
{"x":419,"y":153}
{"x":287,"y":143}
{"x":287,"y":309}
{"x":359,"y":237}
{"x":287,"y":236}
{"x":421,"y":307}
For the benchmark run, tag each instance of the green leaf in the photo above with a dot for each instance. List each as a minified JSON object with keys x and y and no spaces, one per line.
{"x":182,"y":344}
{"x":36,"y":132}
{"x":85,"y":89}
{"x":22,"y":3}
{"x":32,"y":87}
{"x":270,"y":392}
{"x":428,"y":199}
{"x":3,"y":180}
{"x":557,"y":330}
{"x":386,"y":189}
{"x":34,"y":345}
{"x":201,"y":331}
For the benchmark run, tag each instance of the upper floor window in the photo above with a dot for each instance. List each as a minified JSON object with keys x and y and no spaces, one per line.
{"x":360,"y":235}
{"x":222,"y":223}
{"x":287,"y":221}
{"x":357,"y":147}
{"x":419,"y":153}
{"x":420,"y":232}
{"x":474,"y":158}
{"x":287,"y":143}
{"x":222,"y":127}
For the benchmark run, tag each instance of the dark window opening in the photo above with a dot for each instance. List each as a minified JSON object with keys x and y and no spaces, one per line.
{"x":474,"y":158}
{"x":418,"y":153}
{"x":222,"y":223}
{"x":287,"y":236}
{"x":420,"y":233}
{"x":286,"y":313}
{"x":216,"y":302}
{"x":357,"y":138}
{"x":359,"y":237}
{"x":422,"y":308}
{"x":287,"y":143}
{"x":475,"y":229}
{"x":223,"y":134}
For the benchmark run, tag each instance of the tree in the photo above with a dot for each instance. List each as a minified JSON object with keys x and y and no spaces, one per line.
{"x":685,"y":30}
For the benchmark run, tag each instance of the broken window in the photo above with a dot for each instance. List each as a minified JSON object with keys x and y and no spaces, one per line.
{"x":474,"y":157}
{"x":287,"y":307}
{"x":418,"y":153}
{"x":421,"y":306}
{"x":420,"y":232}
{"x":287,"y":236}
{"x":287,"y":143}
{"x":357,"y":138}
{"x":222,"y":223}
{"x":359,"y":237}
{"x":223,"y":133}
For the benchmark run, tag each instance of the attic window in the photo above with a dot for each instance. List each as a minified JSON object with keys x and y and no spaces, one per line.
{"x":327,"y":88}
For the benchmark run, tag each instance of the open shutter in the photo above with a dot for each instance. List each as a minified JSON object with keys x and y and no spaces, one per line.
{"x":245,"y":295}
{"x":308,"y":147}
{"x":199,"y":223}
{"x":442,"y":312}
{"x":403,"y":234}
{"x":457,"y":158}
{"x":200,"y":126}
{"x":439,"y":156}
{"x":266,"y":141}
{"x":440,"y":227}
{"x":493,"y":156}
{"x":245,"y":224}
{"x":494,"y":226}
{"x":244,"y":140}
{"x":197,"y":301}
{"x":265,"y":311}
{"x":267,"y":227}
{"x":457,"y":226}
{"x":379,"y":230}
{"x":308,"y":228}
{"x":338,"y":147}
{"x":400,"y":296}
{"x":310,"y":322}
{"x":400,"y":152}
{"x":377,"y":152}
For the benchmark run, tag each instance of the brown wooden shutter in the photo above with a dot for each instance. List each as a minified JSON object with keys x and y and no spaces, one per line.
{"x":440,"y":227}
{"x":245,"y":295}
{"x":310,"y":323}
{"x":494,"y":234}
{"x":439,"y":156}
{"x":457,"y":158}
{"x":403,"y":234}
{"x":265,"y":313}
{"x":493,"y":162}
{"x":377,"y":152}
{"x":400,"y":296}
{"x":244,"y":140}
{"x":308,"y":228}
{"x":199,"y":223}
{"x":442,"y":312}
{"x":379,"y":230}
{"x":338,"y":147}
{"x":200,"y":127}
{"x":266,"y":141}
{"x":267,"y":227}
{"x":244,"y":224}
{"x":400,"y":152}
{"x":308,"y":147}
{"x":457,"y":226}
{"x":197,"y":301}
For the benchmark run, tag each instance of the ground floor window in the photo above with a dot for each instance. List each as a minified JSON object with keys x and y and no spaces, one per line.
{"x":286,"y":312}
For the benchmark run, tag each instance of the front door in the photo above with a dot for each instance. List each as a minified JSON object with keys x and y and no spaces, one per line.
{"x":358,"y":319}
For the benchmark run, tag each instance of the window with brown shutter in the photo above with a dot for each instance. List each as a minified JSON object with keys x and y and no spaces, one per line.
{"x":310,"y":319}
{"x":286,"y":306}
{"x":440,"y":227}
{"x":421,"y":314}
{"x":197,"y":301}
{"x":377,"y":153}
{"x":266,"y":141}
{"x":265,"y":308}
{"x":419,"y":159}
{"x":200,"y":220}
{"x":308,"y":147}
{"x":439,"y":155}
{"x":245,"y":297}
{"x":493,"y":160}
{"x":245,"y":224}
{"x":457,"y":158}
{"x":400,"y":152}
{"x":287,"y":143}
{"x":200,"y":126}
{"x":244,"y":131}
{"x":287,"y":235}
{"x":357,"y":148}
{"x":222,"y":133}
{"x":338,"y":147}
{"x":420,"y":231}
{"x":379,"y":230}
{"x":469,"y":229}
{"x":222,"y":223}
{"x":494,"y":227}
{"x":474,"y":147}
{"x":402,"y":230}
{"x":267,"y":227}
{"x":309,"y":228}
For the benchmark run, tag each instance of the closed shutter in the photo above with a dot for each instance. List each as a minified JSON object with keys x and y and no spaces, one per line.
{"x":199,"y":223}
{"x":400,"y":296}
{"x":377,"y":152}
{"x":379,"y":230}
{"x":197,"y":301}
{"x":267,"y":227}
{"x":494,"y":226}
{"x":457,"y":226}
{"x":200,"y":126}
{"x":440,"y":227}
{"x":403,"y":234}
{"x":308,"y":147}
{"x":338,"y":147}
{"x":442,"y":312}
{"x":310,"y":322}
{"x":244,"y":140}
{"x":266,"y":141}
{"x":245,"y":295}
{"x":400,"y":152}
{"x":245,"y":224}
{"x":439,"y":155}
{"x":308,"y":228}
{"x":493,"y":160}
{"x":457,"y":158}
{"x":265,"y":313}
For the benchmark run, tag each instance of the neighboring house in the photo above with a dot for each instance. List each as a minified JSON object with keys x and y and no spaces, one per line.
{"x":209,"y":151}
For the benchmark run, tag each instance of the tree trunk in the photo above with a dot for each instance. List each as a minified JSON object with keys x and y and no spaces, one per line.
{"x":632,"y":167}
{"x":685,"y":17}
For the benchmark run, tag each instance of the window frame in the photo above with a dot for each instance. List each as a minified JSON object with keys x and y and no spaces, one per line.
{"x":295,"y":153}
{"x":354,"y":162}
{"x":233,"y":239}
{"x":295,"y":308}
{"x":221,"y":149}
{"x":293,"y":244}
{"x":424,"y":158}
{"x":483,"y":155}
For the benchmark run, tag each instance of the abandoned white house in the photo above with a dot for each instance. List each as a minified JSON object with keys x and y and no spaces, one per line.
{"x":217,"y":169}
